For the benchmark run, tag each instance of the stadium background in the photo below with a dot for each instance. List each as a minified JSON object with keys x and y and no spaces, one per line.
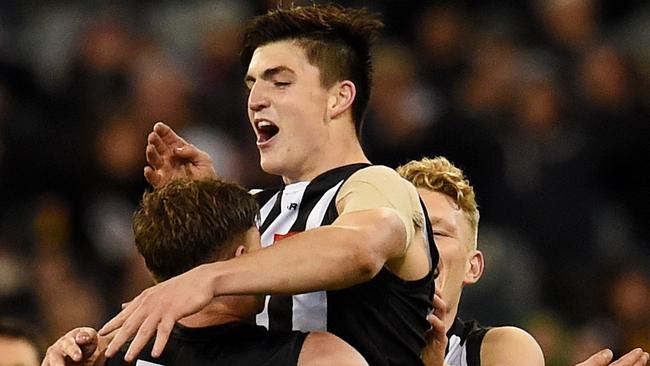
{"x":545,"y":104}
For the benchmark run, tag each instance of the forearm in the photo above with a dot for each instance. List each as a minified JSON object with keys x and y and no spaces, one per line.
{"x":325,"y":258}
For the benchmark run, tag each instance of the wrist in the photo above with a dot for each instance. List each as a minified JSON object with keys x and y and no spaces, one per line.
{"x":210,"y":273}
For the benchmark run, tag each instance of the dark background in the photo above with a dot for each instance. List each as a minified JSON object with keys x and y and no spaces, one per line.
{"x":544,"y":104}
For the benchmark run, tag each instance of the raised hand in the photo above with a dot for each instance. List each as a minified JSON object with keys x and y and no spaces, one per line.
{"x":434,"y":352}
{"x":80,"y":346}
{"x":636,"y":357}
{"x":156,"y":310}
{"x":169,"y":156}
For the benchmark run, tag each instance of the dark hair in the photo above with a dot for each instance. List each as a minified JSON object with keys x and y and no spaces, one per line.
{"x":21,"y":330}
{"x":337,"y":40}
{"x":186,"y":223}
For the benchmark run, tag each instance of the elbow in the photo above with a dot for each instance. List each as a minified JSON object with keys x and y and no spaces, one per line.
{"x":377,"y":242}
{"x":366,"y":263}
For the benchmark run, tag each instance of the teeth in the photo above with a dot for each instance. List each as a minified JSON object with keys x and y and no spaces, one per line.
{"x":264,"y":124}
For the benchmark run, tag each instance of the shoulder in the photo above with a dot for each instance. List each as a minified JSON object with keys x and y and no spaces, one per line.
{"x":510,"y":346}
{"x":374,"y":172}
{"x":380,"y":179}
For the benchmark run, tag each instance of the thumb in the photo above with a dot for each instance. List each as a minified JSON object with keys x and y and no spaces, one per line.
{"x":87,"y":340}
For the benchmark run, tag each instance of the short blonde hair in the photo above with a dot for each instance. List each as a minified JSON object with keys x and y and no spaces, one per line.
{"x":440,"y":175}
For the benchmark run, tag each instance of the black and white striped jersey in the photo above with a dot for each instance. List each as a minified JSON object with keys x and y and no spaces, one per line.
{"x":384,"y":318}
{"x":464,"y":347}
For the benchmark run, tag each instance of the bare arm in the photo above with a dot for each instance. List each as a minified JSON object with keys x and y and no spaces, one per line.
{"x":322,"y":348}
{"x":350,"y":251}
{"x":510,"y":346}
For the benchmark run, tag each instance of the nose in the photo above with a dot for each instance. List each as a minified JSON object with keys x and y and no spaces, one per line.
{"x":257,"y":98}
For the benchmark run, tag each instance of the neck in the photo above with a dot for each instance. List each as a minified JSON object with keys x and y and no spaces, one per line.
{"x":342,"y":148}
{"x":217,"y":313}
{"x":451,"y":315}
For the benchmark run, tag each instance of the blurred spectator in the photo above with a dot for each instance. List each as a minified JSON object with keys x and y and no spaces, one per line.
{"x":403,"y":108}
{"x":19,"y":343}
{"x":544,"y":104}
{"x":571,"y":25}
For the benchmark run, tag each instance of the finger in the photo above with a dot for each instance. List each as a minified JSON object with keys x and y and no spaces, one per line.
{"x":114,"y":323}
{"x":64,"y":347}
{"x":642,"y":361}
{"x":436,"y":317}
{"x":631,"y":358}
{"x":119,"y":319}
{"x":165,"y":328}
{"x":601,"y":358}
{"x":145,"y":332}
{"x":157,"y":142}
{"x":128,"y":328}
{"x":189,"y":152}
{"x":154,"y":157}
{"x":87,"y":341}
{"x":437,"y":325}
{"x":439,"y":305}
{"x":125,"y":304}
{"x":168,"y":135}
{"x":438,"y":290}
{"x":53,"y":358}
{"x":152,"y":177}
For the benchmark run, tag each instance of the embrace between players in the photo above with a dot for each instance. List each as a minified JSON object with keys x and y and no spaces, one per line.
{"x":352,"y":281}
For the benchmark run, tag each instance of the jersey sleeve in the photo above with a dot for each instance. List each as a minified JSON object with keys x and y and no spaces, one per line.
{"x":379,"y":186}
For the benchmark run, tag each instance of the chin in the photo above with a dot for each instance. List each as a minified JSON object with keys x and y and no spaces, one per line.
{"x":271,"y":166}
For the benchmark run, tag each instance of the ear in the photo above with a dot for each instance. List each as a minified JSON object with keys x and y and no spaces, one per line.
{"x":475,"y":270}
{"x":341,"y":97}
{"x":240,"y":250}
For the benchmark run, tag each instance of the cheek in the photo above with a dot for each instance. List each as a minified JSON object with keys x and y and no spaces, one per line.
{"x":445,"y":249}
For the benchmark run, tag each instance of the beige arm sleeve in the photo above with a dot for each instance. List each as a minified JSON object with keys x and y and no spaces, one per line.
{"x":379,"y":186}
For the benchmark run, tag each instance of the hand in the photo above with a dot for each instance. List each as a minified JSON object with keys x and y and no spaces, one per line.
{"x":636,"y":357}
{"x":170,"y":156}
{"x":434,"y":352}
{"x":80,"y":346}
{"x":157,"y":309}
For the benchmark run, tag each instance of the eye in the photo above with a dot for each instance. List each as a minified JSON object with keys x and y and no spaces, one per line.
{"x":246,"y":87}
{"x":281,"y":84}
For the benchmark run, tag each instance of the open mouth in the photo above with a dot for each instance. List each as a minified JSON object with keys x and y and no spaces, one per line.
{"x":265,"y":131}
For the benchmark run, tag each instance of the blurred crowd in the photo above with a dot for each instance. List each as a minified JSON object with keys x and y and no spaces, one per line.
{"x":544,"y":103}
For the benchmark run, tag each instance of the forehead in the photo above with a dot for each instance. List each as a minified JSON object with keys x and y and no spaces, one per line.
{"x":286,"y":54}
{"x":441,"y":207}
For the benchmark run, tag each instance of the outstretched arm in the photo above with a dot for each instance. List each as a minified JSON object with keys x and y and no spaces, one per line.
{"x":350,"y":251}
{"x":169,"y":156}
{"x":636,"y":357}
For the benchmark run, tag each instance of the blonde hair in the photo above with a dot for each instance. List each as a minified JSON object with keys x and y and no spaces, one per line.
{"x":440,"y":175}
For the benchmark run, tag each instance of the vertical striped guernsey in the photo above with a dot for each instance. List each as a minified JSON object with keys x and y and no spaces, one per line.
{"x":384,"y":318}
{"x":464,"y":347}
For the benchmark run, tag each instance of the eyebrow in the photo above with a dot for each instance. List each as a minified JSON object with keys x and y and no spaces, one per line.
{"x":443,"y":224}
{"x":268,"y":74}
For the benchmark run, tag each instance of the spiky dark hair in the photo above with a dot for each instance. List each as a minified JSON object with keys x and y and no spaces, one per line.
{"x":337,"y":40}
